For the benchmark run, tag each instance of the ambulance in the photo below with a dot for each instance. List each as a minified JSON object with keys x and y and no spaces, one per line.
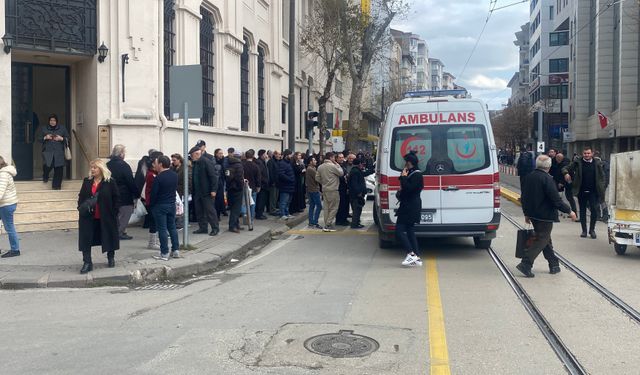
{"x":453,"y":139}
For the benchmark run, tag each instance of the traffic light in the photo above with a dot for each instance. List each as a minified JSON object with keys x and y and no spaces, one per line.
{"x":311,"y":121}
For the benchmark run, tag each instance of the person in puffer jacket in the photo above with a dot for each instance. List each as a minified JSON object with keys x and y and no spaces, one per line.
{"x":8,"y":204}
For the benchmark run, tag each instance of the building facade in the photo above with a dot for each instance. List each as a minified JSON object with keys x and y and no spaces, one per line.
{"x":519,"y":83}
{"x":604,"y":73}
{"x":242,"y":47}
{"x":437,"y":74}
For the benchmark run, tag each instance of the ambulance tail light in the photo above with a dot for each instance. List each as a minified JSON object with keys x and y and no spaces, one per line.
{"x":383,"y":189}
{"x":496,"y":190}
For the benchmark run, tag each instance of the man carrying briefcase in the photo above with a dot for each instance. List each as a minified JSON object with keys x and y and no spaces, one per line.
{"x":540,"y":204}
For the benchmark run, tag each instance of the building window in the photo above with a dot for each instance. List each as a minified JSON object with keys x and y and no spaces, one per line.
{"x":556,"y":92}
{"x":338,"y":118}
{"x":169,"y":51}
{"x":551,"y":12}
{"x":207,"y":60}
{"x":339,"y":88}
{"x":261,"y":89}
{"x":560,"y":38}
{"x":244,"y":86}
{"x":534,"y":49}
{"x":558,"y":65}
{"x":285,"y":19}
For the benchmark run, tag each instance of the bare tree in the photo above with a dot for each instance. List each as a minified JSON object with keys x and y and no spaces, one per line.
{"x":512,"y":126}
{"x":320,"y":38}
{"x":363,"y":37}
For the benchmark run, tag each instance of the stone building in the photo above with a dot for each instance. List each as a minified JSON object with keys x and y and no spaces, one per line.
{"x":120,"y":93}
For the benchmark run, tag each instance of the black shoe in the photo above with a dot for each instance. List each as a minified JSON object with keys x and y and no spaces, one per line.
{"x":87,"y":267}
{"x":111,"y":262}
{"x":357,"y":226}
{"x":526,"y":271}
{"x":125,"y":237}
{"x":593,"y":234}
{"x":225,"y":214}
{"x":343,"y":223}
{"x":200,"y":231}
{"x":261,"y":217}
{"x":554,"y":269}
{"x":214,"y":232}
{"x":10,"y":254}
{"x":583,"y":235}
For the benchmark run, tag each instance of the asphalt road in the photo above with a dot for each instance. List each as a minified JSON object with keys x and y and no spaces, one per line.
{"x":456,"y":313}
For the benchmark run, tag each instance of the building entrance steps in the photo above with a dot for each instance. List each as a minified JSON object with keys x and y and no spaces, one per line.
{"x":42,"y":209}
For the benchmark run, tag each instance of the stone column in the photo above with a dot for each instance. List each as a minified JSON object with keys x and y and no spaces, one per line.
{"x":5,"y":94}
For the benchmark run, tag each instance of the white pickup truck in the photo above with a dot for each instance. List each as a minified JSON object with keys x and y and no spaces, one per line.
{"x":624,"y":201}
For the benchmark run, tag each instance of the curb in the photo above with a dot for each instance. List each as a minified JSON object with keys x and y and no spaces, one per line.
{"x":202,"y":262}
{"x":510,"y":195}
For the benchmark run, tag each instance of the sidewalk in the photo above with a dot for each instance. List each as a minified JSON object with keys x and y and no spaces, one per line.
{"x":52,"y":259}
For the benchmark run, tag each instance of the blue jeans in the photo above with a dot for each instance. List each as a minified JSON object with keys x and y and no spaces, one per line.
{"x":164,"y":216}
{"x":315,"y":206}
{"x":6,"y":215}
{"x":285,"y":199}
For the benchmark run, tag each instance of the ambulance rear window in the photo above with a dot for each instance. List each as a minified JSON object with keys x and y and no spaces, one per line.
{"x":442,"y":149}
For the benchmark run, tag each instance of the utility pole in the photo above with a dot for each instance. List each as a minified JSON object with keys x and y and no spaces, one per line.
{"x":292,"y":76}
{"x":382,"y":104}
{"x":540,"y":118}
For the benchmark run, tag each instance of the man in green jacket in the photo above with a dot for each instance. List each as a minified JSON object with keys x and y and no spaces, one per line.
{"x":588,"y":185}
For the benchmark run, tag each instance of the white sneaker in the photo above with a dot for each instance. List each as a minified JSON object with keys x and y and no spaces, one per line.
{"x":412,"y":261}
{"x":153,"y":246}
{"x":175,"y":254}
{"x":328,"y":229}
{"x":161,"y":257}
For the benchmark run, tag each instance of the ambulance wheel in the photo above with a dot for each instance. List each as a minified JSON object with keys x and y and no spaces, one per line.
{"x":620,"y":249}
{"x":375,"y":215}
{"x":481,"y":244}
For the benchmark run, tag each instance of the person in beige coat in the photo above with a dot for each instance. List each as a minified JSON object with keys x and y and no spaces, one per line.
{"x":328,"y":175}
{"x":8,"y":204}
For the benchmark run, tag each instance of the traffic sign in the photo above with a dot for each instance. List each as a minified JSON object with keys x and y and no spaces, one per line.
{"x":541,"y":147}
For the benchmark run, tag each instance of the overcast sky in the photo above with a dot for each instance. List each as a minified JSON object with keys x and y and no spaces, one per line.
{"x":451,"y":29}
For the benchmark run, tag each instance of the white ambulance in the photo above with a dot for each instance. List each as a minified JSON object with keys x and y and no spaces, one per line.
{"x":454,"y":142}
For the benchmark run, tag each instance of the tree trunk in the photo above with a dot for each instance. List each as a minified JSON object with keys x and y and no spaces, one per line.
{"x":355,"y":107}
{"x":322,"y":109}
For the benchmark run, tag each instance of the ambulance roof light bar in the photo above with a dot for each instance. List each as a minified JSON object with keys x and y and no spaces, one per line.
{"x":435,"y":93}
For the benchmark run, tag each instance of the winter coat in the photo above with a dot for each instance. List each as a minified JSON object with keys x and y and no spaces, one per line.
{"x":310,"y":180}
{"x":180,"y":172}
{"x":264,"y":174}
{"x":235,"y":175}
{"x":107,"y":234}
{"x":141,"y":173}
{"x":540,"y":197}
{"x":409,"y":196}
{"x":286,"y":177}
{"x":272,"y":166}
{"x":53,"y":151}
{"x":8,"y":194}
{"x":205,"y":178}
{"x":575,"y":169}
{"x":328,"y":175}
{"x":357,"y":186}
{"x":252,"y":173}
{"x":526,"y":163}
{"x":123,"y":175}
{"x":558,"y":177}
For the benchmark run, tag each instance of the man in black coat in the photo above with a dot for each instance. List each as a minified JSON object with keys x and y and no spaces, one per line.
{"x":263,"y":194}
{"x":205,"y":189}
{"x":272,"y":166}
{"x":562,"y":163}
{"x":123,"y":175}
{"x":540,"y":204}
{"x":221,"y":207}
{"x":357,"y":191}
{"x":526,"y":163}
{"x":235,"y":186}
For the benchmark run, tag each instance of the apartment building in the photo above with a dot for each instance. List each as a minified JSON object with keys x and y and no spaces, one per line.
{"x":519,"y":83}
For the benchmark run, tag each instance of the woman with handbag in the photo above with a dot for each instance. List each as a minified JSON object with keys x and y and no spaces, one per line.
{"x":98,"y":215}
{"x":55,"y":144}
{"x":408,"y":214}
{"x":8,"y":204}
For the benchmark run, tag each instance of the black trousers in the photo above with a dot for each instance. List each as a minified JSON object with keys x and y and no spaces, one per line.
{"x":588,"y":199}
{"x":343,"y":208}
{"x":86,"y":256}
{"x":407,"y":236}
{"x":220,"y":207}
{"x":57,"y":176}
{"x":206,"y":212}
{"x":542,"y":243}
{"x":568,"y":193}
{"x":262,"y":200}
{"x":356,"y":207}
{"x":235,"y":205}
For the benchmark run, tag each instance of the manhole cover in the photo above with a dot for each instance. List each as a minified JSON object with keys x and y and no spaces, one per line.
{"x":344,"y":344}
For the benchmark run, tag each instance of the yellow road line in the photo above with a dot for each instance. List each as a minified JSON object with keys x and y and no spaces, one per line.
{"x":438,"y":351}
{"x":340,"y":233}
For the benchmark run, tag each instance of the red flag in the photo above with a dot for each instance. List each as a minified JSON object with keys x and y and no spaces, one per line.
{"x":604,"y":120}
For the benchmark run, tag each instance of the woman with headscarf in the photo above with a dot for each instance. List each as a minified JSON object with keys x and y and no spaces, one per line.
{"x":54,"y":138}
{"x":408,"y":213}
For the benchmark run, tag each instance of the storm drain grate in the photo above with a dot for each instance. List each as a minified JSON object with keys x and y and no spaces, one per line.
{"x":344,"y":344}
{"x":160,"y":286}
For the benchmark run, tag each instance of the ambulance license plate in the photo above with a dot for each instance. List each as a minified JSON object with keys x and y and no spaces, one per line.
{"x":636,"y":237}
{"x":426,"y":217}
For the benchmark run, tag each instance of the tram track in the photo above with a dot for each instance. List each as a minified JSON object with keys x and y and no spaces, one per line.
{"x":568,"y":359}
{"x":603,"y":291}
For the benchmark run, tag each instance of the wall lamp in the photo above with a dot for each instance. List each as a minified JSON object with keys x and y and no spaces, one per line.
{"x":7,"y":40}
{"x":103,"y":51}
